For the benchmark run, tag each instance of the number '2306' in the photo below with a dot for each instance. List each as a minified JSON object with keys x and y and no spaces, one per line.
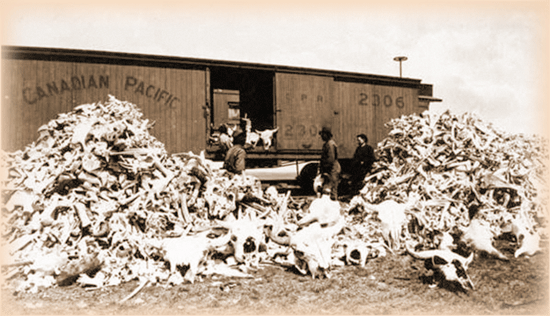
{"x":376,"y":100}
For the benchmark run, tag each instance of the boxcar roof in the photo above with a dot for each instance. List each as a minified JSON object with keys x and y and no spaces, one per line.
{"x":147,"y":60}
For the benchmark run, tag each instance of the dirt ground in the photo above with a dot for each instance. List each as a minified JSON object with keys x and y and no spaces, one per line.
{"x":395,"y":284}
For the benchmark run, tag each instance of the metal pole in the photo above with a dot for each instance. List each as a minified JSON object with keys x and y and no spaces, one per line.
{"x":400,"y":59}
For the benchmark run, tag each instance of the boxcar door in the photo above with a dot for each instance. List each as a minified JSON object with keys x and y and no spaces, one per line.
{"x":303,"y":106}
{"x":226,"y":107}
{"x":366,"y":108}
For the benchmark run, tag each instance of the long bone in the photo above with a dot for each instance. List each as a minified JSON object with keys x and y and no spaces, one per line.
{"x":452,"y":265}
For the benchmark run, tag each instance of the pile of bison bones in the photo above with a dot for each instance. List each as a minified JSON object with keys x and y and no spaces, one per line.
{"x":96,"y":201}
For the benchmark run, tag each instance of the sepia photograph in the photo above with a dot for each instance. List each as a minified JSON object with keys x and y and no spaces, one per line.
{"x":274,"y":157}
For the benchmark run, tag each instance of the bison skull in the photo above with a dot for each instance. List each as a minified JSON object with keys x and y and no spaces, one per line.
{"x":453,"y":266}
{"x":312,"y":244}
{"x":267,"y":137}
{"x":246,"y":237}
{"x":189,"y":251}
{"x":220,"y":201}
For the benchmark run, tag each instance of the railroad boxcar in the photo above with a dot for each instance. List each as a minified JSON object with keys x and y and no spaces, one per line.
{"x":188,"y":98}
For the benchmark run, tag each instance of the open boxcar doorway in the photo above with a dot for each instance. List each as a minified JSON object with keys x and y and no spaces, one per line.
{"x":255,"y":94}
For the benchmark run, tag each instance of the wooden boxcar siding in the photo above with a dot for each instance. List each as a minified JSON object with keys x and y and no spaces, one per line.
{"x":303,"y":106}
{"x":179,"y":124}
{"x":366,"y":108}
{"x":306,"y":103}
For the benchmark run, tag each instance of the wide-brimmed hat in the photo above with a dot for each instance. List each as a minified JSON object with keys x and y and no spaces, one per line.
{"x":325,"y":130}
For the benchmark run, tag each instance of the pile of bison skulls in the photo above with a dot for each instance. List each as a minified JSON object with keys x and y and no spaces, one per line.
{"x":98,"y":192}
{"x":466,"y":180}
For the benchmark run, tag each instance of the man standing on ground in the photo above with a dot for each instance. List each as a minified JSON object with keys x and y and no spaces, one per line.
{"x":362,"y":161}
{"x":329,"y":164}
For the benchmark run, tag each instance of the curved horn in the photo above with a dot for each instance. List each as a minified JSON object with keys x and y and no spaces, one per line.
{"x":419,"y":255}
{"x":273,"y":229}
{"x":446,"y":255}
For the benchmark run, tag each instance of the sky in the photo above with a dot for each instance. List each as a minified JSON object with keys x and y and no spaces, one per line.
{"x":489,"y":58}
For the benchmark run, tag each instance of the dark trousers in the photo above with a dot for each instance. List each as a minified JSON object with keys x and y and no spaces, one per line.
{"x":357,"y":181}
{"x":332,"y":184}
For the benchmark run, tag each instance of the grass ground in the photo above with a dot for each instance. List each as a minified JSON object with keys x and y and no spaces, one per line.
{"x":394,"y":284}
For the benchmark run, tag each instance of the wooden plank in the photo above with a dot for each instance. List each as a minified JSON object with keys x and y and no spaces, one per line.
{"x":9,"y":100}
{"x":192,"y":121}
{"x":175,"y":126}
{"x":207,"y":102}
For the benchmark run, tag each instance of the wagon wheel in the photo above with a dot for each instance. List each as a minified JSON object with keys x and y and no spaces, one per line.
{"x":306,"y":176}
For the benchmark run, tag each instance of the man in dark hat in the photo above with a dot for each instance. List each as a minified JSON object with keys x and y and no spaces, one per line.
{"x":329,"y":164}
{"x":362,"y":161}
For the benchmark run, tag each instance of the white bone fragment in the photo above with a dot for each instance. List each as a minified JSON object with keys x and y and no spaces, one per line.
{"x":81,"y":131}
{"x":479,"y":236}
{"x":445,"y":241}
{"x":22,"y":198}
{"x":527,"y":237}
{"x":97,"y":281}
{"x":357,"y":253}
{"x":81,"y":211}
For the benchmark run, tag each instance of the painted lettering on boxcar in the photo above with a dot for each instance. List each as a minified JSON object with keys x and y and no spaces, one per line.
{"x":150,"y":91}
{"x":33,"y":95}
{"x":376,"y":100}
{"x":305,"y":134}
